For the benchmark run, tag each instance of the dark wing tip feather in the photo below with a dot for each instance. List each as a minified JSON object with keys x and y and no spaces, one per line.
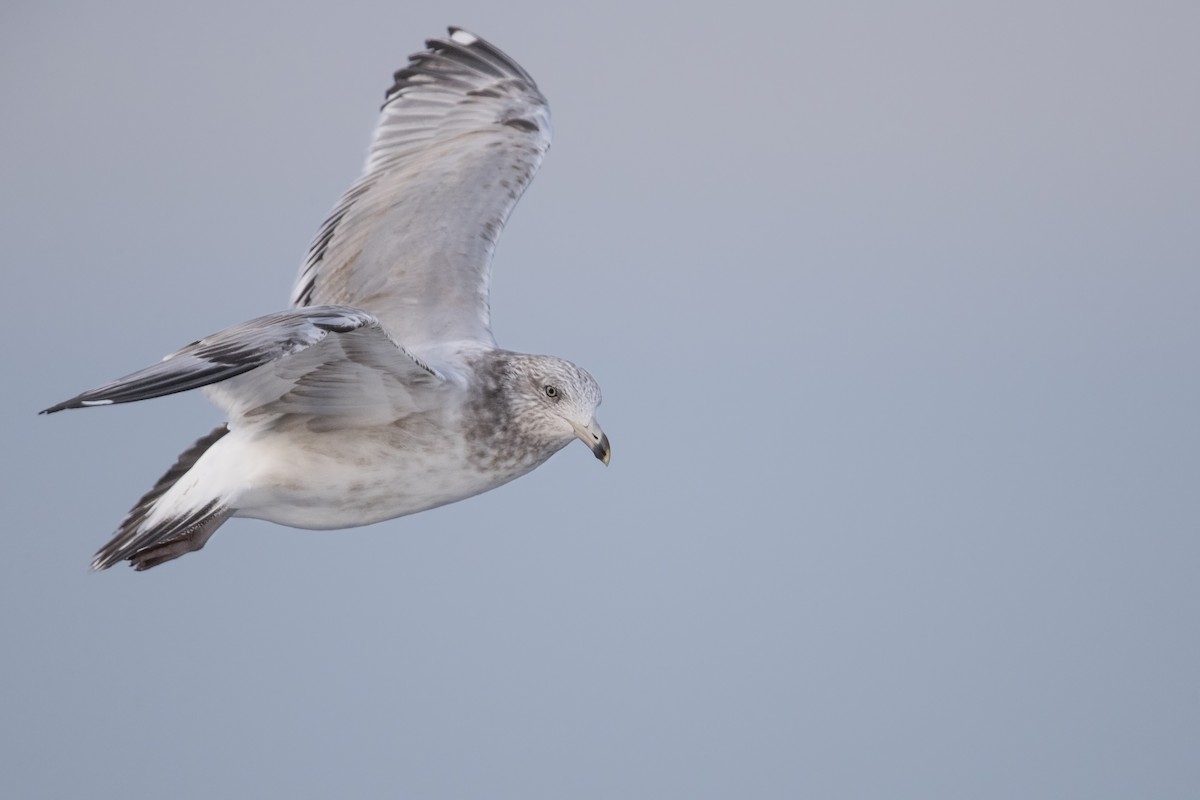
{"x":79,"y":401}
{"x":462,"y":50}
{"x":495,"y":54}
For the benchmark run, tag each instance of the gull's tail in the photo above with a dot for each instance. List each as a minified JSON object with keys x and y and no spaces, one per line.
{"x":166,"y":524}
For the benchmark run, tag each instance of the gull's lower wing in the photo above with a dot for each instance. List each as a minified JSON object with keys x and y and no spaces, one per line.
{"x":322,"y":360}
{"x":462,"y":132}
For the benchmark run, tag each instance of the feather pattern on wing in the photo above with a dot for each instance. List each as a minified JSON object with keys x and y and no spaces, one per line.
{"x":462,"y":132}
{"x":325,"y":361}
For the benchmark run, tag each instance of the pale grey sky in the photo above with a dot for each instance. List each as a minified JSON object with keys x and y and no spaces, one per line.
{"x":895,"y":311}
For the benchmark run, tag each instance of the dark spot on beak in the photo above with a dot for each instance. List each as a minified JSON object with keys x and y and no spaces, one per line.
{"x":602,"y":450}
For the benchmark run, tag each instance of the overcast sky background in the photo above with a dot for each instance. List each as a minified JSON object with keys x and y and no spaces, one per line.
{"x":895,"y":311}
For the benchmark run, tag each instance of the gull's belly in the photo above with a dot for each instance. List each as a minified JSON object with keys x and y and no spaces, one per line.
{"x":348,"y":478}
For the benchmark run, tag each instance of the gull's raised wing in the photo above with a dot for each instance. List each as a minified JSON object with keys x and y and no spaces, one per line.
{"x":331,"y":363}
{"x":462,"y":132}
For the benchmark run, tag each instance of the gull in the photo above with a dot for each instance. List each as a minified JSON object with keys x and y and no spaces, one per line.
{"x":381,"y":391}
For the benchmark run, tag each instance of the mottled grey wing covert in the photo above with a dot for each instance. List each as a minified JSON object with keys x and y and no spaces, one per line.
{"x":462,"y":132}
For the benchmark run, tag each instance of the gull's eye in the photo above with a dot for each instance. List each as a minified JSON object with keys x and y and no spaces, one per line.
{"x":551,"y":392}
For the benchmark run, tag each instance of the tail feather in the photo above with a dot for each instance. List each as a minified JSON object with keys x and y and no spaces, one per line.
{"x":145,"y":545}
{"x":191,"y":537}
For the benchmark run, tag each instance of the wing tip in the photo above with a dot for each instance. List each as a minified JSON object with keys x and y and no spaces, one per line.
{"x":462,"y":36}
{"x":74,"y":402}
{"x":469,"y":50}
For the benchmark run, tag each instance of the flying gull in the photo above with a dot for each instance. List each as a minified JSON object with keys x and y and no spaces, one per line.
{"x":381,"y":392}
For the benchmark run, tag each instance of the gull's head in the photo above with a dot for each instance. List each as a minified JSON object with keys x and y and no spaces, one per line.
{"x":558,"y":400}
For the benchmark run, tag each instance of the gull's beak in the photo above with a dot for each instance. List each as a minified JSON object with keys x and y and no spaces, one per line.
{"x":593,"y":437}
